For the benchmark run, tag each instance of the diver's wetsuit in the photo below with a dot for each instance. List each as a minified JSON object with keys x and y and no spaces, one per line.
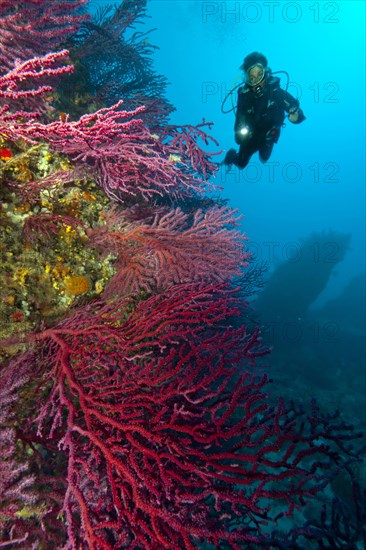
{"x":263,"y":114}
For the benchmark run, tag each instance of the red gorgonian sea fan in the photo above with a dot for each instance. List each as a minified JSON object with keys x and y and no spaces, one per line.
{"x":22,"y":90}
{"x":171,"y":247}
{"x":42,"y":227}
{"x":168,"y":444}
{"x":137,"y":406}
{"x":15,"y":478}
{"x":184,"y":142}
{"x":129,"y":161}
{"x":32,"y":28}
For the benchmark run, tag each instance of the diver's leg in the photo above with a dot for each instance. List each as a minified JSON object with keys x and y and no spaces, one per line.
{"x":230,"y":157}
{"x":265,"y":150}
{"x":242,"y":158}
{"x":245,"y":152}
{"x":267,"y":142}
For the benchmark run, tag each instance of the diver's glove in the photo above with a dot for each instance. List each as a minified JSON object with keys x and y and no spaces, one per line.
{"x":295,"y":115}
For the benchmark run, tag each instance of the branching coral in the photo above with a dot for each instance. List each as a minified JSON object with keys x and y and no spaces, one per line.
{"x":173,"y":248}
{"x":32,"y":28}
{"x":15,"y":478}
{"x":165,"y":439}
{"x":18,"y":88}
{"x":113,"y":60}
{"x":128,"y":159}
{"x":184,"y":142}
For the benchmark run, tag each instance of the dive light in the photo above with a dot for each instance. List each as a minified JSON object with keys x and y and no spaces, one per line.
{"x":244,"y":131}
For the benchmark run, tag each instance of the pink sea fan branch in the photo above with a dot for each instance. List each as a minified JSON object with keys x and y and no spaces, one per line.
{"x":184,"y":141}
{"x":31,"y":190}
{"x":33,"y":69}
{"x":173,"y":248}
{"x":41,"y":227}
{"x":129,"y":160}
{"x":18,"y":88}
{"x":15,"y":479}
{"x":32,"y":28}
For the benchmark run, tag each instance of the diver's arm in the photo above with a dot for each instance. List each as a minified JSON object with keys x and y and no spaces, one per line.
{"x":292,"y":107}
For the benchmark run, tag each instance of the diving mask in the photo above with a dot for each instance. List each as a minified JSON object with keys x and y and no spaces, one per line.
{"x":255,"y":74}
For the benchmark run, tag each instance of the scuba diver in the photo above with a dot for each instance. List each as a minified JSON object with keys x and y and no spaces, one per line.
{"x":260,"y":113}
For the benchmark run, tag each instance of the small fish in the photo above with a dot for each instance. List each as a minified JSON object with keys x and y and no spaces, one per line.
{"x":5,"y":154}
